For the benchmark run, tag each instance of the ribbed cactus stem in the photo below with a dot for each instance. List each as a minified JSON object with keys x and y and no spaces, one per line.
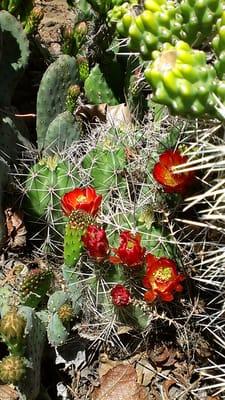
{"x":75,"y":229}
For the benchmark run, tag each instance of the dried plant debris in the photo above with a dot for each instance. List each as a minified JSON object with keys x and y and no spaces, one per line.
{"x":16,"y":230}
{"x":120,"y":383}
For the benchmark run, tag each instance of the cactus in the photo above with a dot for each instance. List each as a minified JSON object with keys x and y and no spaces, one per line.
{"x":61,"y":133}
{"x":15,"y":54}
{"x":199,"y":18}
{"x":150,"y":29}
{"x":104,"y":93}
{"x":105,"y":168}
{"x":182,"y":80}
{"x":218,"y":45}
{"x":34,"y":286}
{"x":12,"y":329}
{"x":52,"y":94}
{"x":33,"y":20}
{"x":46,"y":182}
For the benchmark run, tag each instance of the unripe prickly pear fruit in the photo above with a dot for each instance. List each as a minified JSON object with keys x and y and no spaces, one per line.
{"x":12,"y":369}
{"x":83,"y":67}
{"x":72,"y":96}
{"x":182,"y":80}
{"x":12,"y":326}
{"x":35,"y":285}
{"x":33,"y":21}
{"x":199,"y":17}
{"x":150,"y":29}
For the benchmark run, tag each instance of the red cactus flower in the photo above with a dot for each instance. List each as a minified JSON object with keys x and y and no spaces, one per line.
{"x":130,"y":252}
{"x":96,"y":242}
{"x":120,"y":296}
{"x":163,"y":172}
{"x":85,"y":199}
{"x":162,"y":279}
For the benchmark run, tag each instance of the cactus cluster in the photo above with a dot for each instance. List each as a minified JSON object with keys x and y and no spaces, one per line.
{"x":104,"y":195}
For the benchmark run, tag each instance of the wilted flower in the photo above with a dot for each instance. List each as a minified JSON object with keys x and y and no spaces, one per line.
{"x":96,"y":242}
{"x":130,"y":252}
{"x":161,"y":279}
{"x":163,"y":172}
{"x":120,"y":296}
{"x":85,"y":199}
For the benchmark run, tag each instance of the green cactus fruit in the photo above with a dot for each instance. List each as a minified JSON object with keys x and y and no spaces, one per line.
{"x":218,"y":45}
{"x":65,"y":313}
{"x":52,"y":93}
{"x":72,"y":96}
{"x":75,"y":229}
{"x":182,"y":80}
{"x":122,"y":15}
{"x":46,"y":183}
{"x":12,"y":369}
{"x":56,"y":331}
{"x":33,"y":20}
{"x":97,"y":90}
{"x":199,"y":17}
{"x":83,"y":67}
{"x":62,"y":131}
{"x":12,"y":326}
{"x":105,"y":167}
{"x":150,"y":29}
{"x":68,"y":41}
{"x":34,"y":286}
{"x":14,"y":48}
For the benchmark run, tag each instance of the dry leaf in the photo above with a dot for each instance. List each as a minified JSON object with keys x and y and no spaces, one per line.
{"x":145,"y":373}
{"x":120,"y":383}
{"x":166,"y":387}
{"x":8,"y":393}
{"x":119,"y":115}
{"x":16,"y":230}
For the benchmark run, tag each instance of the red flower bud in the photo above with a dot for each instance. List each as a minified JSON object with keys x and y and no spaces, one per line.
{"x":163,"y":172}
{"x":85,"y":199}
{"x":130,"y":252}
{"x":120,"y":296}
{"x":162,"y":279}
{"x":96,"y":242}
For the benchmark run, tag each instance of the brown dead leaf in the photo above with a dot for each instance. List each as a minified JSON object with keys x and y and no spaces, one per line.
{"x":166,"y":387}
{"x":16,"y":230}
{"x":8,"y":393}
{"x":119,"y":115}
{"x":120,"y":383}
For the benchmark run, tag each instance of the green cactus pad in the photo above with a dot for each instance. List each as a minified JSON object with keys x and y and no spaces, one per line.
{"x":14,"y":49}
{"x":62,"y":132}
{"x":52,"y":93}
{"x":56,"y":331}
{"x":182,"y":80}
{"x":57,"y":299}
{"x":97,"y":90}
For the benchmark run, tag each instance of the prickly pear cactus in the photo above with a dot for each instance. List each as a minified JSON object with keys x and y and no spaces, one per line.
{"x":14,"y":48}
{"x":52,"y":94}
{"x":104,"y":93}
{"x":182,"y":80}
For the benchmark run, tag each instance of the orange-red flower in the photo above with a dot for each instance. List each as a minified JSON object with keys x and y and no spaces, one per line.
{"x":85,"y":199}
{"x":96,"y":242}
{"x":120,"y":296}
{"x":161,"y":279}
{"x":163,"y":172}
{"x":130,"y":252}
